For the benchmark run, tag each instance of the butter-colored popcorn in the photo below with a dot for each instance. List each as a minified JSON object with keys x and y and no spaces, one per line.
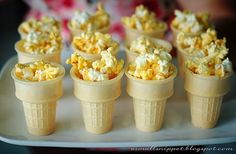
{"x":108,"y":67}
{"x":95,"y":42}
{"x":144,"y":45}
{"x":207,"y":44}
{"x":46,"y":23}
{"x":152,"y":66}
{"x":143,"y":20}
{"x":37,"y":71}
{"x":89,"y":22}
{"x":42,"y":42}
{"x":189,"y":22}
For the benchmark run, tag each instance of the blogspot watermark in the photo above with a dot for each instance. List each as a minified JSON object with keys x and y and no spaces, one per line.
{"x":184,"y":148}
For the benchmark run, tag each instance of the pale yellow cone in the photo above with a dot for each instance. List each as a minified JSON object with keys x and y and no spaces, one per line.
{"x":130,"y":56}
{"x":149,"y":98}
{"x":40,"y":117}
{"x":39,"y":102}
{"x":132,"y":34}
{"x":21,"y":32}
{"x":78,"y":32}
{"x":91,"y":56}
{"x":97,"y":99}
{"x":205,"y":94}
{"x":24,"y":57}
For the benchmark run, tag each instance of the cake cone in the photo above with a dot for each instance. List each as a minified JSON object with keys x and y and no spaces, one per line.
{"x":205,"y":94}
{"x":91,"y":56}
{"x":149,"y":99}
{"x":97,"y":99}
{"x":24,"y":57}
{"x":132,"y":34}
{"x":39,"y":102}
{"x":130,"y":56}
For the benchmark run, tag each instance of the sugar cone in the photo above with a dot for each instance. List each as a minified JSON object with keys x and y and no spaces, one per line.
{"x":39,"y":102}
{"x":149,"y":99}
{"x":130,"y":56}
{"x":90,"y":56}
{"x":132,"y":34}
{"x":78,"y":32}
{"x":24,"y":57}
{"x":97,"y":99}
{"x":205,"y":94}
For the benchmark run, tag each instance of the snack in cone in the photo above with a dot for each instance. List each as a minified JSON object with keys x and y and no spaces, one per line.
{"x":150,"y":81}
{"x":162,"y":44}
{"x":149,"y":99}
{"x":205,"y":94}
{"x":143,"y":23}
{"x":97,"y":99}
{"x":90,"y":45}
{"x":24,"y":57}
{"x":97,"y":84}
{"x":86,"y":22}
{"x":39,"y":101}
{"x":45,"y":23}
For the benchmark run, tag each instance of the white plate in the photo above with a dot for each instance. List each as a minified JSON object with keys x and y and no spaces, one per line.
{"x":177,"y":129}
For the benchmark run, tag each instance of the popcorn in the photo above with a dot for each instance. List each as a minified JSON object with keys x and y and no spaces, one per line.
{"x":37,"y":71}
{"x":143,"y":20}
{"x":42,"y":42}
{"x":106,"y":68}
{"x":189,"y":22}
{"x":144,"y":45}
{"x":88,"y":22}
{"x":46,"y":23}
{"x":152,"y":66}
{"x":95,"y":43}
{"x":194,"y":45}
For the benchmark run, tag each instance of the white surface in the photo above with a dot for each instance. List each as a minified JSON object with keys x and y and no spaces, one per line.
{"x":177,"y":129}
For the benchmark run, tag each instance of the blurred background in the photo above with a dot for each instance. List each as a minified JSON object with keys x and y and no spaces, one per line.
{"x":13,"y":12}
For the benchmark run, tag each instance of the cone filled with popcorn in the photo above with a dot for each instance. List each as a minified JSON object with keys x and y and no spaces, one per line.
{"x":89,"y":45}
{"x":39,"y":85}
{"x":207,"y":80}
{"x":150,"y":81}
{"x":143,"y":45}
{"x":36,"y":46}
{"x":84,"y":21}
{"x":190,"y":47}
{"x":143,"y":23}
{"x":189,"y":23}
{"x":97,"y":84}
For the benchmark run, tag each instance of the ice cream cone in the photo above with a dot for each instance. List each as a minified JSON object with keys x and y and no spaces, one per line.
{"x":78,"y":32}
{"x":39,"y":102}
{"x":132,"y":34}
{"x":205,"y":94}
{"x":24,"y":57}
{"x":130,"y":56}
{"x":97,"y":99}
{"x":149,"y":99}
{"x":91,"y":56}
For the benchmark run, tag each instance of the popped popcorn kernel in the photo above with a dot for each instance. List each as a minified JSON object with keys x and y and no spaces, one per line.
{"x":37,"y":71}
{"x":107,"y":68}
{"x":143,"y":20}
{"x":95,"y":43}
{"x":188,"y":22}
{"x":151,"y":66}
{"x":88,"y":22}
